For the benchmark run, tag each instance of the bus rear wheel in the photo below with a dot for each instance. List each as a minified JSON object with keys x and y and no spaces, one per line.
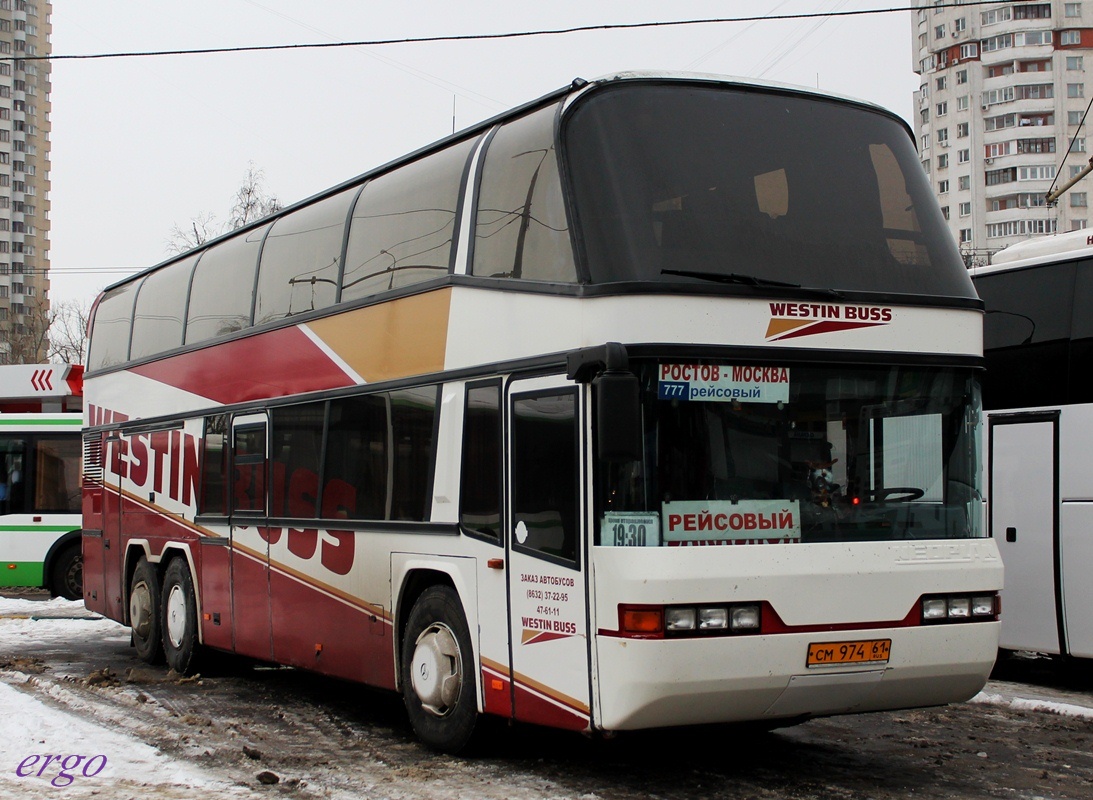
{"x":179,"y":618}
{"x":66,"y":573}
{"x":437,"y":672}
{"x":144,"y":599}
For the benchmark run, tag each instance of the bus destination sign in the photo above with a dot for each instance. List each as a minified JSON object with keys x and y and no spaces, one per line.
{"x":723,"y":383}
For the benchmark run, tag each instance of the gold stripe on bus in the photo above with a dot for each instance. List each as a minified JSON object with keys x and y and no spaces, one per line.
{"x":337,"y":594}
{"x":308,"y":580}
{"x":571,"y":703}
{"x":242,"y":549}
{"x":390,"y":340}
{"x":496,"y":666}
{"x":172,"y":516}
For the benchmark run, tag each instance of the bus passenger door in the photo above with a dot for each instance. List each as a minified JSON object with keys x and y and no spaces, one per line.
{"x":249,"y":536}
{"x":113,"y":507}
{"x":548,"y":612}
{"x":94,"y":567}
{"x":1023,"y":497}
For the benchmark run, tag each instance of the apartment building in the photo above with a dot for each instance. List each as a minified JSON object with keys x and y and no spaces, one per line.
{"x":24,"y":179}
{"x":1000,"y":116}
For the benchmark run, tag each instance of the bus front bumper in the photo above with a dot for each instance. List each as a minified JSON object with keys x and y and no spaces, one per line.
{"x":654,"y":683}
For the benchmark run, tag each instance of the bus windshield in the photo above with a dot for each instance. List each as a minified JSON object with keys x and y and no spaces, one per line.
{"x":796,"y":454}
{"x":730,"y":185}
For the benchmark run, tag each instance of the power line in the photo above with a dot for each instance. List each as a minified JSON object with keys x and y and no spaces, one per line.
{"x":435,"y":80}
{"x":1069,"y":150}
{"x":81,"y":270}
{"x":478,"y":37}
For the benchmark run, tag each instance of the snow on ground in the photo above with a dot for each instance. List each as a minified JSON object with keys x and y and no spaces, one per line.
{"x":1028,"y":704}
{"x":87,"y":758}
{"x":49,"y":622}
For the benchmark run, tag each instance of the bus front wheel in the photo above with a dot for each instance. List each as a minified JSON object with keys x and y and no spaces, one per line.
{"x":438,"y":675}
{"x":144,"y":599}
{"x":179,"y":618}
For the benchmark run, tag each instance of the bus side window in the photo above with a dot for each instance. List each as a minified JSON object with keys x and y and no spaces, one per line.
{"x":300,"y":260}
{"x":413,"y":423}
{"x":111,"y":327}
{"x":297,"y":436}
{"x":12,"y":455}
{"x":404,"y":225}
{"x":249,"y":473}
{"x":1027,"y":335}
{"x":222,"y":288}
{"x":214,"y":466}
{"x":57,"y":476}
{"x":160,"y":309}
{"x":480,"y":473}
{"x":356,"y":467}
{"x":521,"y":227}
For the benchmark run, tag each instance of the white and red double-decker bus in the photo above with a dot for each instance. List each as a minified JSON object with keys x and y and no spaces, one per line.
{"x":652,"y":402}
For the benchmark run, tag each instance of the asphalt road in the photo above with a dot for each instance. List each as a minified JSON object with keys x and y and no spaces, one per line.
{"x":325,"y":738}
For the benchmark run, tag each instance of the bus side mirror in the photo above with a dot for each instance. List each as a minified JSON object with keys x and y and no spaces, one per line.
{"x":618,"y":416}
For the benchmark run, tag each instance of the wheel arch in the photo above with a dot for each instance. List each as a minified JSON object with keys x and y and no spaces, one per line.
{"x":133,"y":552}
{"x":140,"y":547}
{"x":181,"y":550}
{"x":411,"y":576}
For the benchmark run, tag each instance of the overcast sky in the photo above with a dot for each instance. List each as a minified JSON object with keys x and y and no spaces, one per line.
{"x":140,"y":145}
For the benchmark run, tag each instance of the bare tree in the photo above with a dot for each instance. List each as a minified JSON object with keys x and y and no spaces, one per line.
{"x":26,"y":336}
{"x":68,"y":331}
{"x":251,"y":201}
{"x":201,"y":228}
{"x":57,"y":333}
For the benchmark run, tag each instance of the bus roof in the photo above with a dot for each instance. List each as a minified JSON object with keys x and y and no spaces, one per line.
{"x":577,"y":87}
{"x":1039,"y":250}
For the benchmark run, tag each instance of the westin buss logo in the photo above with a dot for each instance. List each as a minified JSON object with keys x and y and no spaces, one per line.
{"x":792,"y":320}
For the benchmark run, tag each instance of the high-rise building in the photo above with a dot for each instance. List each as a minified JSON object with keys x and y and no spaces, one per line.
{"x":1000,"y":116}
{"x":24,"y":179}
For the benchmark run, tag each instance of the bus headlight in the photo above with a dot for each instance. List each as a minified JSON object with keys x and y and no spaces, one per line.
{"x":983,"y":606}
{"x":935,"y":608}
{"x":745,"y":618}
{"x":713,"y":619}
{"x":679,"y":619}
{"x":960,"y":608}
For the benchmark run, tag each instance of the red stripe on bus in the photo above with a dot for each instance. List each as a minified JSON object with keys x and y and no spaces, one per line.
{"x":274,"y":364}
{"x":537,"y":709}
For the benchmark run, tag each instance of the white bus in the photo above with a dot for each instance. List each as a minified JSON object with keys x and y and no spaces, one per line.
{"x":1038,"y":390}
{"x":40,"y":520}
{"x":652,"y":402}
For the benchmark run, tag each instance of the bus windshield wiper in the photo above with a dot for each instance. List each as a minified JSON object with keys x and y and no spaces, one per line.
{"x":747,"y":280}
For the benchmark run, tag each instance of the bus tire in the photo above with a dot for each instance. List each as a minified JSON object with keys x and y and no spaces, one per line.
{"x":66,"y":573}
{"x":144,"y":600}
{"x":179,"y":618}
{"x":437,"y":672}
